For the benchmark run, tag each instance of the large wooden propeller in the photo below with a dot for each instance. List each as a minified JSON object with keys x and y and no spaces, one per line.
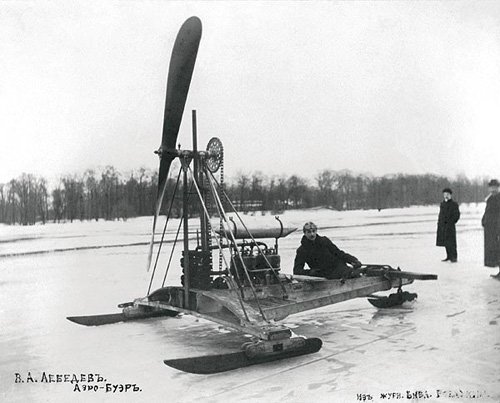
{"x":179,"y":78}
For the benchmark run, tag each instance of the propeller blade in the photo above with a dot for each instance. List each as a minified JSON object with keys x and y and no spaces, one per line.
{"x":179,"y":78}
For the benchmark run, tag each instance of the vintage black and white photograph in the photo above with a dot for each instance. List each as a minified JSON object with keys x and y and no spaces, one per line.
{"x":250,"y":201}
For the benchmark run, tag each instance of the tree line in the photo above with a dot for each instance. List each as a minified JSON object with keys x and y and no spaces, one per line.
{"x":111,"y":195}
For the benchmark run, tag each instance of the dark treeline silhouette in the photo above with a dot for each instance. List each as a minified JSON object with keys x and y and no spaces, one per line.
{"x":345,"y":190}
{"x":110,"y":195}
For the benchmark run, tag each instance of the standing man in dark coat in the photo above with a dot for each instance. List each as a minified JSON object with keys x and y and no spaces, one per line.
{"x":446,"y":232}
{"x":323,"y":257}
{"x":491,"y":225}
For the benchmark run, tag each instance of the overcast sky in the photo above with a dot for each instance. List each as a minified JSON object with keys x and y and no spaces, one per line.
{"x":289,"y":87}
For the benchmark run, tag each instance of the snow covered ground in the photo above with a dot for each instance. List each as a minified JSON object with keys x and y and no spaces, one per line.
{"x":444,"y":347}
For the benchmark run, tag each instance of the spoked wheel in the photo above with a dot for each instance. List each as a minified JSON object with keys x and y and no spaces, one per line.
{"x":215,"y":154}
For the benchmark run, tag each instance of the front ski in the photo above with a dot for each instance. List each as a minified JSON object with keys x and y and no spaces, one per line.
{"x":392,"y":300}
{"x":212,"y":364}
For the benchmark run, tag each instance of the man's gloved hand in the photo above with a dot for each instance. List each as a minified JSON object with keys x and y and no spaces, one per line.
{"x":357,"y":264}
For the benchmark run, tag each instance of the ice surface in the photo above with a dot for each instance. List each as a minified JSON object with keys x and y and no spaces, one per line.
{"x":448,"y":339}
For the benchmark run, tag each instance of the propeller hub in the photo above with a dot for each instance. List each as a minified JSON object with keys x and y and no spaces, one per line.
{"x":171,"y":152}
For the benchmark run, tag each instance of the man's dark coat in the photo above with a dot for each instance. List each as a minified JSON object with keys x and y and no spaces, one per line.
{"x":448,"y":217}
{"x":323,"y":257}
{"x":491,"y":224}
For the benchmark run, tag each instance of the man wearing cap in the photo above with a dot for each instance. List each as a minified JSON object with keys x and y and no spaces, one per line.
{"x":446,"y":232}
{"x":323,"y":257}
{"x":491,"y":225}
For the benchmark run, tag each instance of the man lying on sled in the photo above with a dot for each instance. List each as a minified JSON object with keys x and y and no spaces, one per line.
{"x":323,"y":257}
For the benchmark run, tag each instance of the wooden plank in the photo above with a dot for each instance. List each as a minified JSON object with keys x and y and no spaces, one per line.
{"x":316,"y":294}
{"x":411,"y":275}
{"x":307,"y":301}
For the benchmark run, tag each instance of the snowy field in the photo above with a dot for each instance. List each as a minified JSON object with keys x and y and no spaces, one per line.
{"x":444,"y":347}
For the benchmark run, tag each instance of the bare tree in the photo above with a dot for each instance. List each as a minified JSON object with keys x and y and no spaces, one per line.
{"x":3,"y":203}
{"x":42,"y":199}
{"x":297,"y":190}
{"x":326,"y":182}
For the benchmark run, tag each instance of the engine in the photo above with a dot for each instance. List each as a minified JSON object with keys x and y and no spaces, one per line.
{"x":261,"y":262}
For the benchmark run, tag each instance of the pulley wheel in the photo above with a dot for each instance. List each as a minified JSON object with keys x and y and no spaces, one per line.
{"x":215,"y":154}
